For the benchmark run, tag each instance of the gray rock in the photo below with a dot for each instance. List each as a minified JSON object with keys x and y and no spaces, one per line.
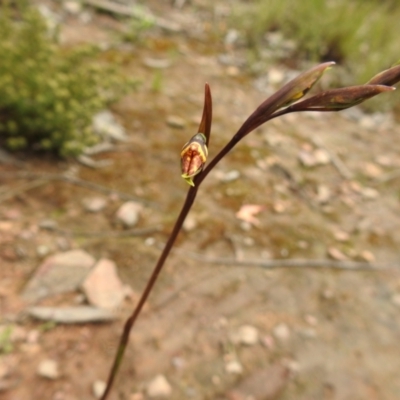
{"x":129,"y":213}
{"x":102,"y":286}
{"x":71,"y":315}
{"x":105,"y":125}
{"x":60,"y":273}
{"x":176,"y":122}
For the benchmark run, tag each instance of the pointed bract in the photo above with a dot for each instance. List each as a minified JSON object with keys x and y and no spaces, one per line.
{"x":205,"y":124}
{"x":339,"y":99}
{"x":389,"y":77}
{"x":288,"y":94}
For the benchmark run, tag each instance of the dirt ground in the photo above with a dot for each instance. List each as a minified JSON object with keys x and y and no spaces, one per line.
{"x":335,"y":333}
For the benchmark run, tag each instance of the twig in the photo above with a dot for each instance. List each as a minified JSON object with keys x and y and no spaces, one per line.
{"x":137,"y":13}
{"x":77,"y":182}
{"x":126,"y":233}
{"x":336,"y":161}
{"x":291,"y":263}
{"x":12,"y":192}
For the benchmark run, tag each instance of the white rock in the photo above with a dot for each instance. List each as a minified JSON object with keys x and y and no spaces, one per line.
{"x":234,"y":367}
{"x":281,"y":332}
{"x":190,"y":223}
{"x":276,"y":76}
{"x":94,"y":204}
{"x":98,"y":388}
{"x":48,"y":369}
{"x":396,"y":299}
{"x":129,"y":213}
{"x":102,"y":286}
{"x":247,"y":335}
{"x":323,"y":194}
{"x":159,"y":387}
{"x":73,"y":7}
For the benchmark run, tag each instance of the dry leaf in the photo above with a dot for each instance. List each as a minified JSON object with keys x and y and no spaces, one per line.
{"x":247,"y":213}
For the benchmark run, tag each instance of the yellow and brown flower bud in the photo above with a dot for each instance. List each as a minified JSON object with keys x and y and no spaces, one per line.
{"x":193,"y":157}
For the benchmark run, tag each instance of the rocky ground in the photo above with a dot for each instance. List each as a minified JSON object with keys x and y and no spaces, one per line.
{"x":231,"y":317}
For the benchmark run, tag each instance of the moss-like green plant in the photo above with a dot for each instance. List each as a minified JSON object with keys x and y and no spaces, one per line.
{"x":48,"y":94}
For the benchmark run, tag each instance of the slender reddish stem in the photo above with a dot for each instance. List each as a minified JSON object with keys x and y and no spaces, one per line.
{"x":191,"y":195}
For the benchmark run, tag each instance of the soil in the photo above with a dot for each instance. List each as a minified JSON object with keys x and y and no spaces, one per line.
{"x":336,"y":331}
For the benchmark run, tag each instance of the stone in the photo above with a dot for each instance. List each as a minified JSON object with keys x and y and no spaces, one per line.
{"x":102,"y":286}
{"x":129,"y":213}
{"x":71,"y":315}
{"x":336,"y":254}
{"x":94,"y":204}
{"x":281,"y":332}
{"x":48,"y":369}
{"x":157,"y":63}
{"x":159,"y":387}
{"x":106,"y":126}
{"x":176,"y":122}
{"x":59,"y":273}
{"x":72,"y":7}
{"x":227,"y":177}
{"x":234,"y":367}
{"x":246,"y":334}
{"x":98,"y":388}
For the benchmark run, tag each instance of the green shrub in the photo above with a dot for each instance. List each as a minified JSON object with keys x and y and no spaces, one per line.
{"x":48,"y":94}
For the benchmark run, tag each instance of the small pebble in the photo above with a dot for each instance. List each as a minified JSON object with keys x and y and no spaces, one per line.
{"x":281,"y":332}
{"x":336,"y":254}
{"x":234,"y":367}
{"x":159,"y":387}
{"x":190,"y":223}
{"x":72,"y":7}
{"x":94,"y":204}
{"x":176,"y":122}
{"x":48,"y":369}
{"x":367,"y":256}
{"x":98,"y":388}
{"x":247,"y":335}
{"x":396,"y":299}
{"x":129,"y":213}
{"x":308,"y":333}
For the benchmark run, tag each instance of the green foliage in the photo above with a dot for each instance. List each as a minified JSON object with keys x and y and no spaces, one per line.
{"x":6,"y":345}
{"x":49,"y":94}
{"x":361,"y":34}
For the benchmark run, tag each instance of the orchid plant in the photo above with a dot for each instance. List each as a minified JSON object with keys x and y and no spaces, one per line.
{"x":195,"y":151}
